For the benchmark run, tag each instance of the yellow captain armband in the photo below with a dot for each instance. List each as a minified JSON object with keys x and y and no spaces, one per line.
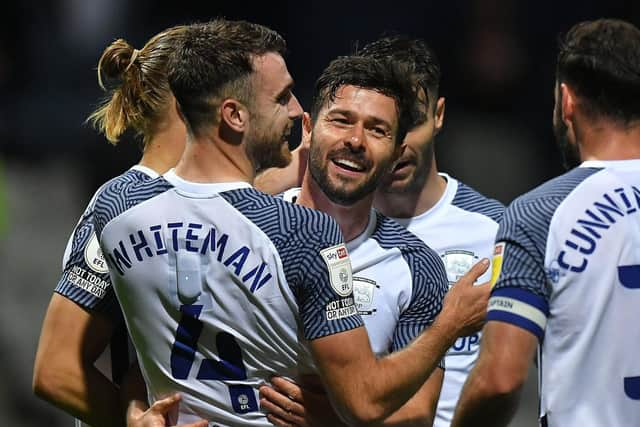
{"x":496,"y":264}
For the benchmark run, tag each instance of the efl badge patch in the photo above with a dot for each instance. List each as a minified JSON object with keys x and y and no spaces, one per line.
{"x":496,"y":269}
{"x":93,"y":256}
{"x":339,"y":265}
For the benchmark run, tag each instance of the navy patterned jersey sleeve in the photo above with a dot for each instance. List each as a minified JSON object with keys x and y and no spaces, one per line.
{"x":119,"y":196}
{"x":313,"y":256}
{"x":430,"y":282}
{"x":522,"y":236}
{"x":470,"y":200}
{"x":85,"y":276}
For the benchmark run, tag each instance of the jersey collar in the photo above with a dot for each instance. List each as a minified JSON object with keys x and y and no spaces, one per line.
{"x":200,"y":187}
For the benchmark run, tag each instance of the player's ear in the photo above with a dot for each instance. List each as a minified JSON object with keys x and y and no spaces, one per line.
{"x":306,"y":129}
{"x":234,"y":115}
{"x":179,"y":110}
{"x":438,"y":116}
{"x":568,"y":105}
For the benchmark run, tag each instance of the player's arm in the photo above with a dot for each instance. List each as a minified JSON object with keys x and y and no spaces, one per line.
{"x":64,"y":373}
{"x":288,"y":404}
{"x":278,"y":180}
{"x":384,"y":385}
{"x":491,"y":394}
{"x":517,"y":316}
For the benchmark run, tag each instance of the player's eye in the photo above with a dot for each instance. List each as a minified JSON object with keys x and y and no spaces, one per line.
{"x":284,"y":98}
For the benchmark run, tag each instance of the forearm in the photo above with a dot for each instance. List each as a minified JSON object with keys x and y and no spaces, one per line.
{"x":481,"y":405}
{"x":420,"y":410}
{"x":64,"y":373}
{"x":491,"y":394}
{"x":408,"y":370}
{"x":385,"y":384}
{"x":84,"y":393}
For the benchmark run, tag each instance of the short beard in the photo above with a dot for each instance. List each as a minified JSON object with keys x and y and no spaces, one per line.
{"x":265,"y":151}
{"x":570,"y":153}
{"x":417,"y":181}
{"x":338,"y":195}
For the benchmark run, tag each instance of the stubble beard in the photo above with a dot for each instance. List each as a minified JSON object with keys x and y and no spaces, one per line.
{"x":569,"y":152}
{"x":334,"y":192}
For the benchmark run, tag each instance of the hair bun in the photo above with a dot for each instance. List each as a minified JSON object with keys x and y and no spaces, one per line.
{"x":116,"y":60}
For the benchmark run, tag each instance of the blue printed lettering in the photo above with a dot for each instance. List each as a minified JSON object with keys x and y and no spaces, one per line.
{"x":191,"y":237}
{"x":586,"y":233}
{"x":258,"y":280}
{"x":237,"y":259}
{"x":214,"y":241}
{"x":121,"y":257}
{"x":174,"y":226}
{"x":157,"y":237}
{"x":139,"y":246}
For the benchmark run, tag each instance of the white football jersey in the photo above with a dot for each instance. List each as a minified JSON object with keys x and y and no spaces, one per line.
{"x":461,"y":227}
{"x":85,"y":281}
{"x":570,"y":274}
{"x":398,"y":282}
{"x":221,"y":286}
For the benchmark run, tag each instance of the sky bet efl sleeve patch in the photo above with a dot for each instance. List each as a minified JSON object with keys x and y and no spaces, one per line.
{"x":339,"y":266}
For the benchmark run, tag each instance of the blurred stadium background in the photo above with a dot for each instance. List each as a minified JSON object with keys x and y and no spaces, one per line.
{"x":498,"y":68}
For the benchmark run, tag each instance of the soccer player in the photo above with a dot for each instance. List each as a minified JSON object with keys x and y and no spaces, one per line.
{"x":456,"y":221}
{"x":219,"y":282}
{"x":567,"y":257}
{"x":83,"y":315}
{"x":398,"y":281}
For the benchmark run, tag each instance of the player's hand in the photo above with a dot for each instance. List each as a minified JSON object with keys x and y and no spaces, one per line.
{"x":284,"y":401}
{"x":158,"y":414}
{"x":465,"y":305}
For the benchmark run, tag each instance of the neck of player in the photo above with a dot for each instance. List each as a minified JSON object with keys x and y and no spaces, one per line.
{"x":352,"y":219}
{"x":412,"y":202}
{"x":209,"y":158}
{"x":164,"y":148}
{"x":603,"y":140}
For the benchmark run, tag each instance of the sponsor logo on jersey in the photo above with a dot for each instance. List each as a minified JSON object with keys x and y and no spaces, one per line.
{"x":339,"y":266}
{"x":364,"y":291}
{"x":465,"y":345}
{"x":93,"y":256}
{"x":457,"y":263}
{"x":496,"y":268}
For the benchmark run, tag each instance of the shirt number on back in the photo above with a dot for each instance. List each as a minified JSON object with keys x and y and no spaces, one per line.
{"x":629,"y":276}
{"x":230,"y":367}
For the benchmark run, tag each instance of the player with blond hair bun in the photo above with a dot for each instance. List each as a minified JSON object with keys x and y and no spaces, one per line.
{"x":83,"y":317}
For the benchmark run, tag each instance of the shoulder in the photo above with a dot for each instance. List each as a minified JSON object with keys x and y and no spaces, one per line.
{"x":470,"y":200}
{"x":123,"y":193}
{"x":539,"y":204}
{"x":389,"y":234}
{"x":282,"y":220}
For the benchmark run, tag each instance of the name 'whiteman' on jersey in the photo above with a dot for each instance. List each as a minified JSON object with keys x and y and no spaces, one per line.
{"x":220,"y":286}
